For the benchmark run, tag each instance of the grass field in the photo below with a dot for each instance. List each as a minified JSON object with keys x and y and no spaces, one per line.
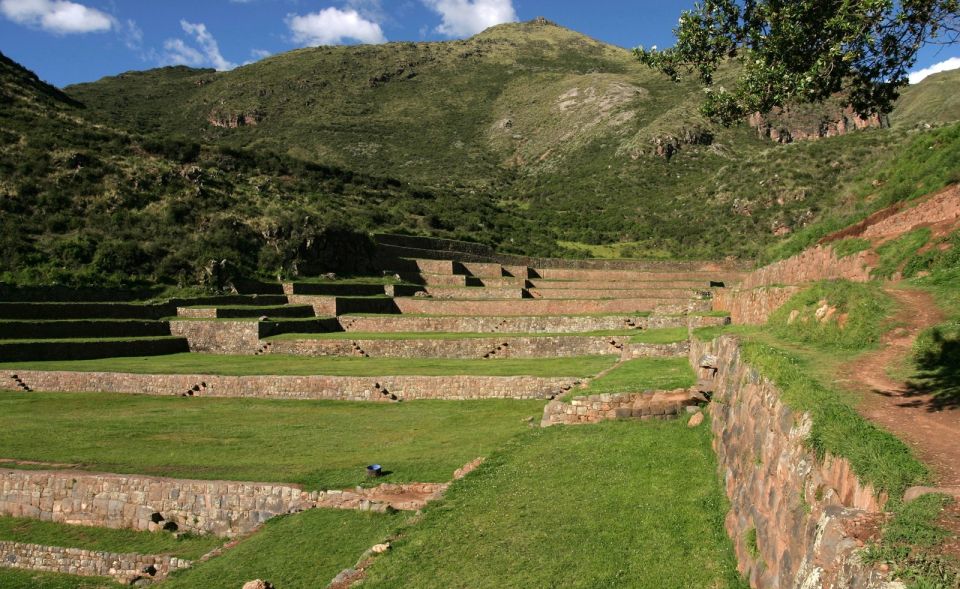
{"x":303,"y":551}
{"x":320,"y":444}
{"x":667,"y":335}
{"x":639,"y":375}
{"x":270,"y":364}
{"x":32,"y":531}
{"x":609,"y":505}
{"x":20,"y":579}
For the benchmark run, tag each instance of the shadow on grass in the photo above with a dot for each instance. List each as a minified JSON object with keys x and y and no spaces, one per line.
{"x":938,"y":376}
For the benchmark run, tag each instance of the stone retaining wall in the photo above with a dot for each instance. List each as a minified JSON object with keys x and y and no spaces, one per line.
{"x":798,"y":507}
{"x":614,"y":406}
{"x":125,"y":568}
{"x":219,"y":337}
{"x":518,"y":324}
{"x":546,"y":306}
{"x":337,"y":388}
{"x":624,"y":292}
{"x":752,"y":306}
{"x":223,"y":508}
{"x":811,"y":265}
{"x":89,"y":350}
{"x":505,"y":347}
{"x":704,"y":277}
{"x":632,"y":350}
{"x":474,"y":292}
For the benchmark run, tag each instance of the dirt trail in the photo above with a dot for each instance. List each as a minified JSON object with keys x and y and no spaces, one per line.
{"x":933,"y":434}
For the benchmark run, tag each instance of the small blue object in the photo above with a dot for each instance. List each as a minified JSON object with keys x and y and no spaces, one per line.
{"x":374,"y":470}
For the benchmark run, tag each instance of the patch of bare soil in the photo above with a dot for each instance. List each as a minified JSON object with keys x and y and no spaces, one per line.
{"x":932,"y":430}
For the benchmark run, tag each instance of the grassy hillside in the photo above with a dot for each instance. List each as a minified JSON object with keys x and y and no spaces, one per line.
{"x":528,"y":137}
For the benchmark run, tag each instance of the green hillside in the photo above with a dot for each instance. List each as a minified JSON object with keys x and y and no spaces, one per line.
{"x":528,"y":137}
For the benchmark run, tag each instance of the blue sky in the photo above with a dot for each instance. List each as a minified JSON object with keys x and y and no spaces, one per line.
{"x":68,"y":41}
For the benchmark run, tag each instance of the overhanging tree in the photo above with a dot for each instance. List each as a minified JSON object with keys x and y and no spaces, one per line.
{"x":793,"y":51}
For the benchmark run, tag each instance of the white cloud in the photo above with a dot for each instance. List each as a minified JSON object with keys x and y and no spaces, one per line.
{"x":57,"y":16}
{"x":462,"y":18}
{"x":333,"y":26}
{"x":260,"y":53}
{"x":949,"y":64}
{"x":207,"y":51}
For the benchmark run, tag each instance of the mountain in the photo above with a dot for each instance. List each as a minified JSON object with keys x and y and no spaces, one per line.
{"x":934,"y":101}
{"x":528,"y":137}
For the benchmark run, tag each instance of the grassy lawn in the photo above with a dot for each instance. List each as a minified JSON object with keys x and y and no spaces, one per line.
{"x":20,"y":579}
{"x":320,"y":444}
{"x":582,"y":366}
{"x":32,"y":531}
{"x":641,"y":374}
{"x":608,"y":505}
{"x":405,"y":335}
{"x":668,"y":335}
{"x":303,"y":551}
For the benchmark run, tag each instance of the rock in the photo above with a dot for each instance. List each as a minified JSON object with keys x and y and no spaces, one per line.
{"x":693,"y":409}
{"x":258,"y":584}
{"x":380,"y":548}
{"x":696,"y":420}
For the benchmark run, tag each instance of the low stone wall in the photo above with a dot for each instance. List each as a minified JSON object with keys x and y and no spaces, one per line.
{"x":503,"y":324}
{"x":474,"y":292}
{"x":703,"y":277}
{"x":505,"y":347}
{"x":219,"y":337}
{"x":336,"y":388}
{"x":618,"y":284}
{"x":798,"y":507}
{"x":607,"y":407}
{"x":125,"y":568}
{"x":223,"y":508}
{"x":632,"y":350}
{"x":811,"y":265}
{"x":624,"y":292}
{"x":752,"y":306}
{"x":546,"y":307}
{"x":82,"y":329}
{"x":483,"y":269}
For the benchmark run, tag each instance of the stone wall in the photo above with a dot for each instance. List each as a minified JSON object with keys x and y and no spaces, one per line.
{"x":632,"y":350}
{"x":637,"y":277}
{"x":223,"y":508}
{"x":753,"y":306}
{"x":125,"y":568}
{"x":625,"y":291}
{"x":799,"y":508}
{"x":811,"y":265}
{"x":519,"y":324}
{"x":337,"y":388}
{"x":474,"y":292}
{"x":504,"y":347}
{"x":614,"y":406}
{"x":89,"y":350}
{"x":545,"y":306}
{"x":219,"y":337}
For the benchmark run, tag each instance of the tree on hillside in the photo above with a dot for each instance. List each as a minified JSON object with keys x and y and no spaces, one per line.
{"x":793,"y":51}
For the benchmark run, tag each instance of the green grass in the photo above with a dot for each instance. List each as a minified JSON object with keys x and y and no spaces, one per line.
{"x":303,"y":551}
{"x":641,"y":374}
{"x":911,"y":543}
{"x":20,"y":579}
{"x":608,"y":505}
{"x":320,"y":444}
{"x":865,"y":305}
{"x":277,"y":364}
{"x":407,"y":335}
{"x":668,"y":335}
{"x":847,"y":247}
{"x":894,"y":254}
{"x":32,"y":531}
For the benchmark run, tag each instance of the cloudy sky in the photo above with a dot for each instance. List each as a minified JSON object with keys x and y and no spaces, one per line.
{"x":67,"y":41}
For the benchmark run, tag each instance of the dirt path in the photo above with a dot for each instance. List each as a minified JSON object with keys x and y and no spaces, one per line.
{"x":933,"y":434}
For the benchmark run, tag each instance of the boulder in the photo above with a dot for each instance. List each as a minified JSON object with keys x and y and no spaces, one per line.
{"x":695,"y":420}
{"x":258,"y":584}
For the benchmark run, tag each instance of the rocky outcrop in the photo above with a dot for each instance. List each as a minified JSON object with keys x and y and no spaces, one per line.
{"x":792,"y":515}
{"x":786,"y":127}
{"x":232,"y":120}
